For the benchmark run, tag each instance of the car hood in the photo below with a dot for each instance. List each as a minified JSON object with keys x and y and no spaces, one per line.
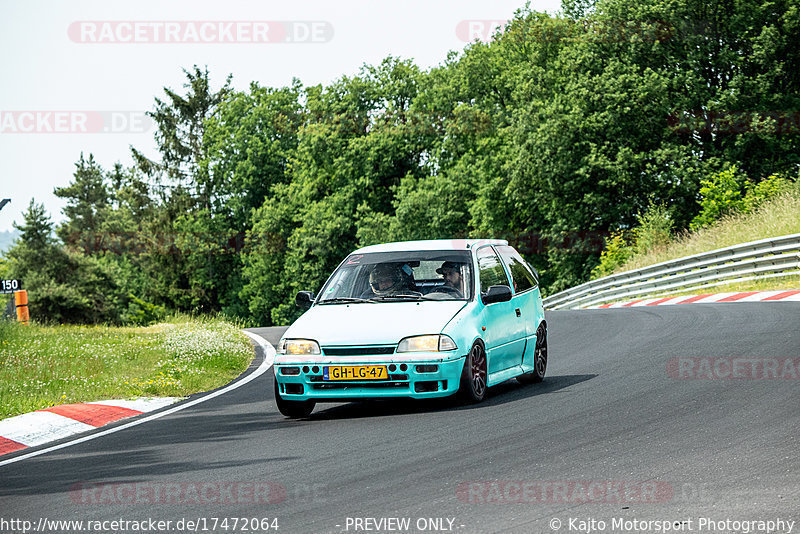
{"x":383,"y":323}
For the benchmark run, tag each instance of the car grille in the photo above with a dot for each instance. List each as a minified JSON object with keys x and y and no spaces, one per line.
{"x":357,"y":351}
{"x":361,"y":385}
{"x":392,"y":378}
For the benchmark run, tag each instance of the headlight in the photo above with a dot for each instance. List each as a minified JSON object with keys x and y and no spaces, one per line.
{"x":298,"y":346}
{"x":434,"y":343}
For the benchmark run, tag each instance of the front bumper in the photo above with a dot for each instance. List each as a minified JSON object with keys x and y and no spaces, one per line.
{"x":406,"y":379}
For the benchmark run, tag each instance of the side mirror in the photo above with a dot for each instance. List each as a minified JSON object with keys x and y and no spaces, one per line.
{"x":304,"y":299}
{"x":496,"y":294}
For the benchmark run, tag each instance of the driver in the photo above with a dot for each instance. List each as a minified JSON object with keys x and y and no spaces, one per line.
{"x":451,"y":271}
{"x":386,"y":279}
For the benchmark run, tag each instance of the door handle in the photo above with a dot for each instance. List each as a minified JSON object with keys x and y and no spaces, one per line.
{"x":519,"y":313}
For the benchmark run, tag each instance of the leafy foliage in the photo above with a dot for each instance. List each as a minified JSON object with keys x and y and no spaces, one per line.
{"x":613,"y":118}
{"x":729,"y":192}
{"x":63,"y":285}
{"x":615,"y":253}
{"x":654,"y":229}
{"x":720,"y":195}
{"x":767,"y":189}
{"x":140,"y":312}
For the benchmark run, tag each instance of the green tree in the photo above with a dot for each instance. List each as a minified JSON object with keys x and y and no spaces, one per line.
{"x":63,"y":285}
{"x":180,"y":130}
{"x":181,"y":266}
{"x":561,"y":129}
{"x":251,"y":140}
{"x":87,"y":199}
{"x":357,"y":143}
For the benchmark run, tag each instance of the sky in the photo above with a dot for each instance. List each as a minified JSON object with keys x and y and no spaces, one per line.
{"x":78,"y":76}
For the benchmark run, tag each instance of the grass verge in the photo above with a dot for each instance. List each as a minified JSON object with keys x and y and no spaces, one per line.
{"x":777,"y":217}
{"x":42,"y":366}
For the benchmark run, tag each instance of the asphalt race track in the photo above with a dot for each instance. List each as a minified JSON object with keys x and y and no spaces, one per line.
{"x":612,"y":432}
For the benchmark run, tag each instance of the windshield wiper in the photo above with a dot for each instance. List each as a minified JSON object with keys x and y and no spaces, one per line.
{"x":402,"y":296}
{"x":343,"y":299}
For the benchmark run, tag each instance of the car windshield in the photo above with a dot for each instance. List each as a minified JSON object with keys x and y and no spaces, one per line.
{"x":400,"y":276}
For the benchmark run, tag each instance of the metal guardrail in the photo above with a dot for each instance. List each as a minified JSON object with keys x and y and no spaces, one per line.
{"x":724,"y":265}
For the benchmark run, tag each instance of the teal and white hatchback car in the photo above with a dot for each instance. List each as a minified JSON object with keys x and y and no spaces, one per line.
{"x":415,"y":319}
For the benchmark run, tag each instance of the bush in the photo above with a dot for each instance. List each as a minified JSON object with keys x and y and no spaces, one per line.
{"x":720,"y":195}
{"x":615,"y":253}
{"x":142,"y":313}
{"x":766,"y":189}
{"x":654,"y":229}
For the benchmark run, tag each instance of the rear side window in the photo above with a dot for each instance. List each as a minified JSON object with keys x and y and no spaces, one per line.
{"x":490,"y":270}
{"x":521,"y":275}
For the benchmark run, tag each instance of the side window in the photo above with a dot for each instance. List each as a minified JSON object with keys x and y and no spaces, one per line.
{"x":521,"y":274}
{"x":490,"y":270}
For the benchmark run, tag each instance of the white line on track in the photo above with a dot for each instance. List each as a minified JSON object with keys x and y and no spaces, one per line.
{"x":269,"y":357}
{"x":143,"y":404}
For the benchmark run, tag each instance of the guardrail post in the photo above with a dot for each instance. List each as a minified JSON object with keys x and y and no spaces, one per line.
{"x":21,"y":302}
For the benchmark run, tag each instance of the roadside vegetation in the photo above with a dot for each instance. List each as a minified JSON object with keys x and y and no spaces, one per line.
{"x":632,"y":120}
{"x":733,"y":210}
{"x":42,"y":366}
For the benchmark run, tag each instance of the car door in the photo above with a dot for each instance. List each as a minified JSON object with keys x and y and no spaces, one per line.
{"x":504,"y":334}
{"x":526,"y":297}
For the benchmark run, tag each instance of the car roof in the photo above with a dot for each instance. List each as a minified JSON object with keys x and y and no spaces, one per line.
{"x":431,"y":244}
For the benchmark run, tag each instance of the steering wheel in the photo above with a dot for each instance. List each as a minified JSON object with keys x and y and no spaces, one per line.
{"x":449,"y":290}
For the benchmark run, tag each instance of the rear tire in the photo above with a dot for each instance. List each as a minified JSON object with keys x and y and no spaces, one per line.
{"x":539,"y":358}
{"x":473,"y":377}
{"x":293,"y":409}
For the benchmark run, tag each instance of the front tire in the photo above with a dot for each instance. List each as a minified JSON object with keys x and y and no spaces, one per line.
{"x":293,"y":409}
{"x":539,"y":358}
{"x":473,"y":377}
